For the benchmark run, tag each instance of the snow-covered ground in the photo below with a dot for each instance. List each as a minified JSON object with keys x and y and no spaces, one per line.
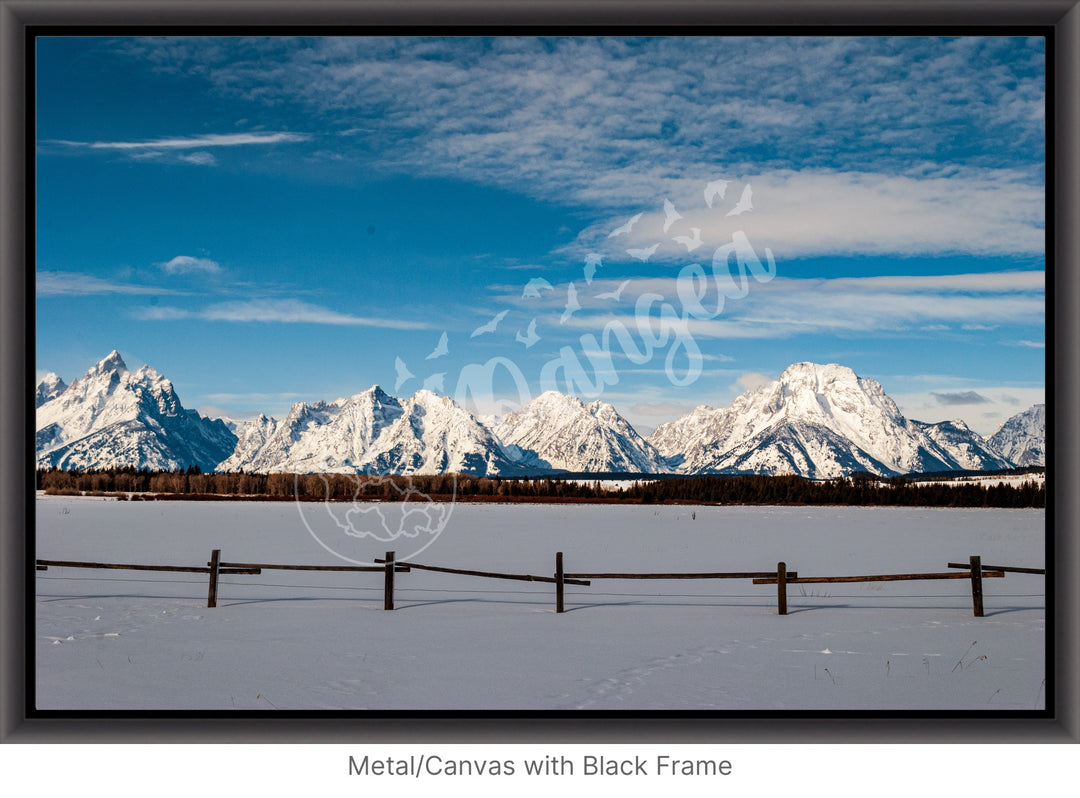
{"x":318,"y":640}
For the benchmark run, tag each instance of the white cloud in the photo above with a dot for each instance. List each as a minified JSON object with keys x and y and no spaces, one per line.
{"x":784,"y":307}
{"x":200,"y":159}
{"x":752,"y":380}
{"x":285,"y":311}
{"x":186,"y":264}
{"x":161,"y":313}
{"x":193,"y":142}
{"x":175,"y":149}
{"x":812,"y":213}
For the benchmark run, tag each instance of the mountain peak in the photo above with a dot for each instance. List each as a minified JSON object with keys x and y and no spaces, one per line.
{"x":113,"y":417}
{"x":111,"y":362}
{"x":49,"y":388}
{"x":566,"y":434}
{"x":1022,"y":438}
{"x":817,"y":373}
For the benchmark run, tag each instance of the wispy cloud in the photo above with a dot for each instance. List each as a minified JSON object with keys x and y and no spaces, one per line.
{"x":852,"y":135}
{"x":57,"y":283}
{"x":200,"y":159}
{"x":192,"y":142}
{"x":177,"y":149}
{"x":283,"y":311}
{"x":784,"y":307}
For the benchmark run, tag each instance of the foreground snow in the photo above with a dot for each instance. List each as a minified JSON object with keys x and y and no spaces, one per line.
{"x":309,"y":641}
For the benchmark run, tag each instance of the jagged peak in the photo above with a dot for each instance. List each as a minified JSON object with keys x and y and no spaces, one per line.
{"x":426,"y":398}
{"x":149,"y":373}
{"x":819,"y":373}
{"x":111,"y":362}
{"x":555,"y":398}
{"x":375,"y":393}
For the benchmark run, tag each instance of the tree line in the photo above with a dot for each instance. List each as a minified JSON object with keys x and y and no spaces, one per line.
{"x":132,"y":483}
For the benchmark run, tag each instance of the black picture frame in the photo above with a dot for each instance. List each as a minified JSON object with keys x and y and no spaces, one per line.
{"x":19,"y":21}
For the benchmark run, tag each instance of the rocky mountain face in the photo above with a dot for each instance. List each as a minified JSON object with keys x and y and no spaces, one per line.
{"x":114,"y":417}
{"x":50,"y":387}
{"x":1022,"y":439}
{"x":818,"y":421}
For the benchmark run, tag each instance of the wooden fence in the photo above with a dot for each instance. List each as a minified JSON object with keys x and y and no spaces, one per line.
{"x":973,"y":570}
{"x":976,"y":575}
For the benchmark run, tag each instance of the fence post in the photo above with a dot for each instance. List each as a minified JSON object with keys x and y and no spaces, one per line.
{"x":976,"y":584}
{"x":215,"y":558}
{"x":781,"y":588}
{"x":558,"y":582}
{"x":388,"y":582}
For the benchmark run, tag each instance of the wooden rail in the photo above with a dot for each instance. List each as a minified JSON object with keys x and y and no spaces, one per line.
{"x":43,"y":565}
{"x":976,"y":574}
{"x":731,"y":575}
{"x":1009,"y":569}
{"x":561,"y":577}
{"x":817,"y":580}
{"x":213,"y":569}
{"x":490,"y":574}
{"x":399,"y":567}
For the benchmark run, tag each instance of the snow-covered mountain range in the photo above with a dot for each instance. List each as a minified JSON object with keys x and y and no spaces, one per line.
{"x":818,"y":421}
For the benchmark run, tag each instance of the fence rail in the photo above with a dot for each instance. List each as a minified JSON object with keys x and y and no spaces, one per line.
{"x":976,"y":574}
{"x":1010,"y":569}
{"x":389,"y":566}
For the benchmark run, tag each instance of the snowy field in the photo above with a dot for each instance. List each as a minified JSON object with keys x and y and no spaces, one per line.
{"x":316,"y":640}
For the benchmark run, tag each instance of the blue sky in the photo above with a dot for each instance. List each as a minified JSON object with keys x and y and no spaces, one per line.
{"x":272,"y":220}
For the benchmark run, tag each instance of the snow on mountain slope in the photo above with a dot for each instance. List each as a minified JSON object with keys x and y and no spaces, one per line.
{"x":115,"y":417}
{"x":781,"y":428}
{"x":793,"y":447}
{"x":967,"y":449}
{"x":435,"y":435}
{"x":372,"y":432}
{"x":562,"y":432}
{"x":1022,"y":438}
{"x":320,"y":436}
{"x":50,"y":387}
